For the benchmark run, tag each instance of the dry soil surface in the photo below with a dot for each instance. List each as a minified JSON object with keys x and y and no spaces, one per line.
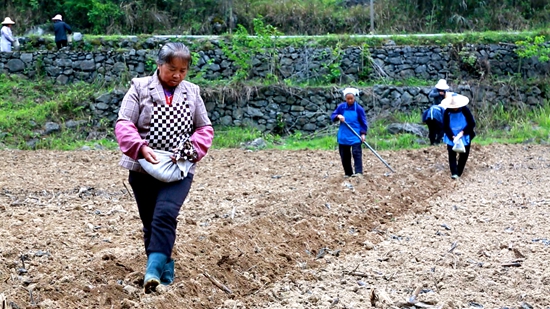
{"x":284,"y":229}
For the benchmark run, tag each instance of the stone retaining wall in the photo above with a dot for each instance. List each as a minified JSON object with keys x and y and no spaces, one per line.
{"x":330,"y":65}
{"x":281,"y":110}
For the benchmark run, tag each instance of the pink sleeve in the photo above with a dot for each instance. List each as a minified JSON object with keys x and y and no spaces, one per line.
{"x":202,"y":140}
{"x":128,"y":138}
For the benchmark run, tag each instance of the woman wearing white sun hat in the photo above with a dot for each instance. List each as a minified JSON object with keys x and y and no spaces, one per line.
{"x":7,"y":40}
{"x":60,"y":29}
{"x":438,"y":92}
{"x":433,"y":116}
{"x":458,"y":125}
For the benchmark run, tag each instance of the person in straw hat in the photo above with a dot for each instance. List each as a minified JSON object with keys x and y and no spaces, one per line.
{"x":60,"y":28}
{"x":7,"y":40}
{"x":458,"y":124}
{"x":437,"y":94}
{"x":433,"y":116}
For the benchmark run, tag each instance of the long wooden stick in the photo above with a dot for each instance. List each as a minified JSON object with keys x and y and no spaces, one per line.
{"x":371,"y":149}
{"x":217,"y":283}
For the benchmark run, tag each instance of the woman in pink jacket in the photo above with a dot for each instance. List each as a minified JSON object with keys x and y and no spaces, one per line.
{"x":162,"y":112}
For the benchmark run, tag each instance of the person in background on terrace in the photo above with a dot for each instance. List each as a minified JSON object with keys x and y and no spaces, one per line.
{"x":433,"y":116}
{"x":437,"y":94}
{"x":162,"y":112}
{"x":7,"y":40}
{"x":458,"y":123}
{"x":349,"y":145}
{"x":60,"y":28}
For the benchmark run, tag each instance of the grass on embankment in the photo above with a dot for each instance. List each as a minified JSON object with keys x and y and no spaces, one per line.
{"x":26,"y":106}
{"x":495,"y":125}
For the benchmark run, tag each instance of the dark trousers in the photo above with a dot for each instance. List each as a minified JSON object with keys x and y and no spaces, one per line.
{"x":346,"y":153}
{"x":457,"y":169}
{"x":159,"y":204}
{"x":61,"y":43}
{"x":435,"y":131}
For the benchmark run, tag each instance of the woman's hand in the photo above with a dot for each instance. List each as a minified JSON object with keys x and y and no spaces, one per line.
{"x":341,"y":118}
{"x":149,"y":154}
{"x":362,"y":138}
{"x":174,"y":155}
{"x":458,"y":136}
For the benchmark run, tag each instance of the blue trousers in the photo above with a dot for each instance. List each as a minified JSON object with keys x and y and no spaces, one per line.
{"x":159,"y":204}
{"x":346,"y":153}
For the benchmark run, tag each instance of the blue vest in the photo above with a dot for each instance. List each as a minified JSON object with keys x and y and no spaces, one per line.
{"x":434,"y":112}
{"x":457,"y":122}
{"x":345,"y":136}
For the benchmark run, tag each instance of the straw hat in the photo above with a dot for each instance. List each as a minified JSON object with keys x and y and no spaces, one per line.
{"x":8,"y":21}
{"x":454,"y":100}
{"x":57,"y":17}
{"x":442,"y":85}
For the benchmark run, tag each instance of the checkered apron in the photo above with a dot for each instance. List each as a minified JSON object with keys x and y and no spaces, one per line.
{"x":171,"y":127}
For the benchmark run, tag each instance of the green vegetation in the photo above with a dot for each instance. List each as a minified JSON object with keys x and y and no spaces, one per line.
{"x":514,"y":125}
{"x":534,"y":47}
{"x":265,"y":41}
{"x":243,"y":47}
{"x":267,"y":37}
{"x":496,"y":124}
{"x":293,"y":17}
{"x":26,"y":107}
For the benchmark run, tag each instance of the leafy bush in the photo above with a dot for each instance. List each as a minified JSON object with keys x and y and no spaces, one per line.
{"x":294,"y":17}
{"x":536,"y":47}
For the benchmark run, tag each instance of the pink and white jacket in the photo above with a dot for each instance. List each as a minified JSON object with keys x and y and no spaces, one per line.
{"x":134,"y":118}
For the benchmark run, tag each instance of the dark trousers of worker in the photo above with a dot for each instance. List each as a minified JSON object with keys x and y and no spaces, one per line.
{"x":61,"y":44}
{"x":159,"y":204}
{"x":435,"y":131}
{"x":346,"y":153}
{"x":457,"y":169}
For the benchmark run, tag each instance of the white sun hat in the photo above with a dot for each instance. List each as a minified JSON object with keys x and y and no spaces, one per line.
{"x":8,"y":21}
{"x":57,"y":17}
{"x":454,"y":100}
{"x":442,"y":85}
{"x":351,"y":90}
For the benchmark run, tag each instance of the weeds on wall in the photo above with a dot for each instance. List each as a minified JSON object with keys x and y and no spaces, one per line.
{"x":534,"y":47}
{"x":368,"y":65}
{"x":244,"y":49}
{"x":332,"y":66}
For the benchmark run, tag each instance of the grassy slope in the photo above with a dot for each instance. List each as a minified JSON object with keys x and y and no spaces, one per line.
{"x":26,"y":107}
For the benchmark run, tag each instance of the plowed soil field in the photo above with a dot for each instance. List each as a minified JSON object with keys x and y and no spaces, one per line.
{"x":284,"y":229}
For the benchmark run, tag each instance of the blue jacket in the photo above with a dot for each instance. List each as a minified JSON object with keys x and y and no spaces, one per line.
{"x":355,"y":119}
{"x":360,"y":115}
{"x":61,"y":28}
{"x":468,"y":129}
{"x":434,"y":94}
{"x":433,"y":112}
